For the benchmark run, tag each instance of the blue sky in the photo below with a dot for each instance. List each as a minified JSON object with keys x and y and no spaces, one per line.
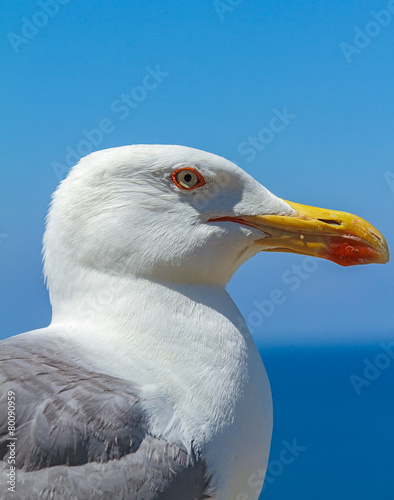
{"x":222,"y":72}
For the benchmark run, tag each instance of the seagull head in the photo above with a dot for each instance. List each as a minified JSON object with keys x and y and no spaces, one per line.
{"x":181,"y":215}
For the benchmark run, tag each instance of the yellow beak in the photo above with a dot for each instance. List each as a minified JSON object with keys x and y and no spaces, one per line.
{"x":337,"y":236}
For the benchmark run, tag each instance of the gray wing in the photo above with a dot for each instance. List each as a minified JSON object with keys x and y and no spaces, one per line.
{"x":83,"y":435}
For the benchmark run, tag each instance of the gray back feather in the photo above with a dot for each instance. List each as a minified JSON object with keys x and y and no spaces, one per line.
{"x":83,"y":435}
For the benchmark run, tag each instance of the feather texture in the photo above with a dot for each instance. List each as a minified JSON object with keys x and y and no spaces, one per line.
{"x":93,"y":423}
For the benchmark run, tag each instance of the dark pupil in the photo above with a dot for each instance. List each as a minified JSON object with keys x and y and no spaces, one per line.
{"x":187,"y":178}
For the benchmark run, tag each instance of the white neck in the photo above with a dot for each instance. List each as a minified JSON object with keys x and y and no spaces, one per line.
{"x":187,"y":346}
{"x":191,"y":333}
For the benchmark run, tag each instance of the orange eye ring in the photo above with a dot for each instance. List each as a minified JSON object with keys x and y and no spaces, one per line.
{"x":187,"y":178}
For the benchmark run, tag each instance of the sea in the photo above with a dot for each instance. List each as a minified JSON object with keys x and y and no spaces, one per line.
{"x":333,"y":434}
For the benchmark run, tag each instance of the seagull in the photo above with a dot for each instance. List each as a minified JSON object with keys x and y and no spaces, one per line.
{"x":147,"y":384}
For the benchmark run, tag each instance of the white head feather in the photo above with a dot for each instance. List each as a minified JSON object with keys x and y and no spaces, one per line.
{"x":118,"y":211}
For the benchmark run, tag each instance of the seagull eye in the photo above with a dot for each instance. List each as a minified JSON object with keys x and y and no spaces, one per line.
{"x":187,"y":178}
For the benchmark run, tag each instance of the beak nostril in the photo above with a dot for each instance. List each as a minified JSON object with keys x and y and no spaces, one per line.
{"x":330,"y":221}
